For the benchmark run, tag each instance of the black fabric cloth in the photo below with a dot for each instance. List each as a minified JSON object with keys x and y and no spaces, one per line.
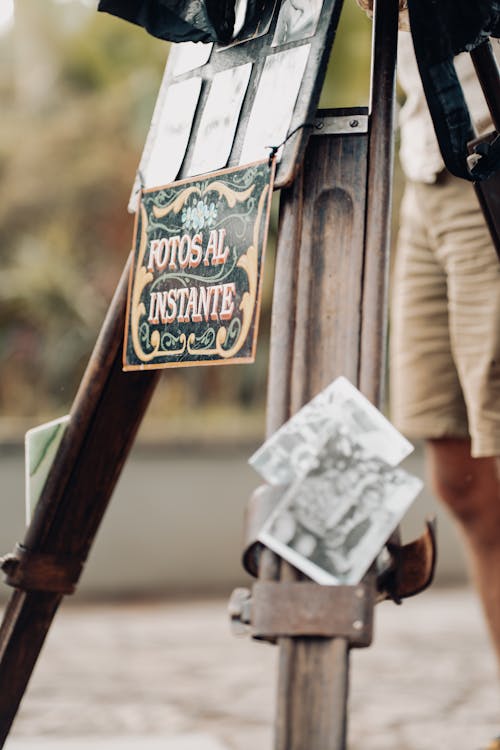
{"x":447,"y":27}
{"x":178,"y":20}
{"x":441,"y":29}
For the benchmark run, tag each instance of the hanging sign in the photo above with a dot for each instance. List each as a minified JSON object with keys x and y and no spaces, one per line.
{"x":196,"y":276}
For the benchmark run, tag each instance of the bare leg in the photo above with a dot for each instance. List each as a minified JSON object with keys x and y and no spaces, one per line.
{"x":470,"y":487}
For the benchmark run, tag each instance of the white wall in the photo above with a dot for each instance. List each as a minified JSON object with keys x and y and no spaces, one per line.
{"x":174,"y":524}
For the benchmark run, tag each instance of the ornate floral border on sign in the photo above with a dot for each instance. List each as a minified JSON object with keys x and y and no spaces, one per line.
{"x":195,"y":283}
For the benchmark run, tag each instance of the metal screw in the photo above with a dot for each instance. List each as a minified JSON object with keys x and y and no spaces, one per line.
{"x":319,"y":125}
{"x":357,"y":625}
{"x":354,"y":123}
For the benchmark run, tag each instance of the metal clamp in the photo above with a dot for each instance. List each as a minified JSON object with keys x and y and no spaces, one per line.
{"x":299,"y":609}
{"x":40,"y":571}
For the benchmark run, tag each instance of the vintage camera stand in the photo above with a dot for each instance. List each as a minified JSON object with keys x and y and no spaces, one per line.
{"x":329,"y":317}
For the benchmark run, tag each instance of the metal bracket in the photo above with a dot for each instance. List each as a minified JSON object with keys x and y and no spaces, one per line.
{"x":304,"y":609}
{"x":41,"y":571}
{"x":341,"y":125}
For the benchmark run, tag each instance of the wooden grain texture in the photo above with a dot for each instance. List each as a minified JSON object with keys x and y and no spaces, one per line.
{"x":311,"y":706}
{"x":333,"y":242}
{"x":321,"y":245}
{"x":379,"y":202}
{"x":105,"y":416}
{"x":488,"y":193}
{"x":284,"y":303}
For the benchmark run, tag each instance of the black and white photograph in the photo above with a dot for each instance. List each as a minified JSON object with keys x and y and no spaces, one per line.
{"x":188,"y":56}
{"x":217,"y":127}
{"x":298,"y":19}
{"x":274,"y":102}
{"x":307,"y":441}
{"x":333,"y":523}
{"x":168,"y":136}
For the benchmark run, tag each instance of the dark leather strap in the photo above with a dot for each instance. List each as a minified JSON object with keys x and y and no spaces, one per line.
{"x":413,"y":566}
{"x":440,"y":31}
{"x":259,"y":507}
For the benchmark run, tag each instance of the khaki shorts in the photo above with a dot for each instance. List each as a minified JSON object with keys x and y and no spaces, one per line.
{"x":445,"y":318}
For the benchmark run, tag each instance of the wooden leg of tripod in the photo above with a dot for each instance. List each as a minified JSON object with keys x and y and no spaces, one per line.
{"x":104,"y":419}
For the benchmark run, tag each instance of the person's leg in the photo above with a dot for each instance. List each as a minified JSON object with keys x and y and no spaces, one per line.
{"x":426,"y":399}
{"x":470,"y":488}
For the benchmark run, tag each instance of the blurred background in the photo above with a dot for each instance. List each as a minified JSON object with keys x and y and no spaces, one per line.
{"x":142,"y":655}
{"x":78,"y":90}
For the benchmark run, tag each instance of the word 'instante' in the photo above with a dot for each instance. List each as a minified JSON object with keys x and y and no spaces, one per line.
{"x":196,"y":303}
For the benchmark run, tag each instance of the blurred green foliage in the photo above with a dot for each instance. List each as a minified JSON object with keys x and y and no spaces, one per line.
{"x":78,"y":89}
{"x":347,"y":81}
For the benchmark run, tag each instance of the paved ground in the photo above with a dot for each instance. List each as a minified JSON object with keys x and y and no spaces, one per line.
{"x":170,"y":676}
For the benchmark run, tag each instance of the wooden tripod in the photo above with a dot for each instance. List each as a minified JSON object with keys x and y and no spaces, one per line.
{"x":333,"y":252}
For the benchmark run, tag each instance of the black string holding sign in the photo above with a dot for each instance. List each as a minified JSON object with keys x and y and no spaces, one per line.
{"x":141,"y":179}
{"x":275,"y":149}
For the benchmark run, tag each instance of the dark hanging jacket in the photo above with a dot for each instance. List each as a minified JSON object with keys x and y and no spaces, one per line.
{"x":178,"y":20}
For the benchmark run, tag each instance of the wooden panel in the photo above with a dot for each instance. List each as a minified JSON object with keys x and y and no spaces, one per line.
{"x":330,"y":267}
{"x":311,"y":708}
{"x":316,"y":306}
{"x":379,"y":204}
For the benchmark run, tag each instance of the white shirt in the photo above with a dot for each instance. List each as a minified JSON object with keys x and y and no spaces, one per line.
{"x":419,"y":152}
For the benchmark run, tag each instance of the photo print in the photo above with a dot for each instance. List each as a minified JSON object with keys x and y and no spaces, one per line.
{"x":188,"y":56}
{"x":297,"y":447}
{"x":332,"y":525}
{"x":215,"y":136}
{"x":168,"y":137}
{"x":344,"y":493}
{"x":298,"y":19}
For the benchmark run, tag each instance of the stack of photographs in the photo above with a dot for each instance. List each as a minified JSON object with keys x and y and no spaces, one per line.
{"x":343,"y":491}
{"x":227,"y":105}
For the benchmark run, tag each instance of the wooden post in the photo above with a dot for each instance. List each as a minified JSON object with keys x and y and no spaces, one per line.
{"x":104,"y":419}
{"x":324,"y":211}
{"x":329,"y":318}
{"x":379,"y":200}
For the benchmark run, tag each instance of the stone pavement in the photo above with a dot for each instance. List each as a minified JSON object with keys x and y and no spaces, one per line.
{"x":168,"y":675}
